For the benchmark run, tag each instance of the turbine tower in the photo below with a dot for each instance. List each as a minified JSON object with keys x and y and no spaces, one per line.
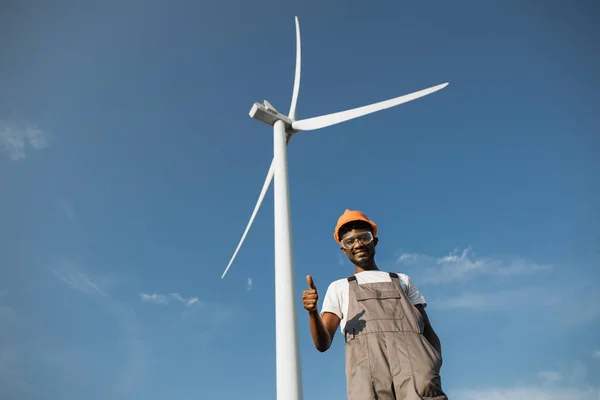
{"x":287,"y":350}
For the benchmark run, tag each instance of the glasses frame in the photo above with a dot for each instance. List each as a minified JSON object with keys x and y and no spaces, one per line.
{"x":364,"y":243}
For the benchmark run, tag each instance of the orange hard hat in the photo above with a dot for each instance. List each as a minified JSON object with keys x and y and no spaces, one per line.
{"x":351,"y":216}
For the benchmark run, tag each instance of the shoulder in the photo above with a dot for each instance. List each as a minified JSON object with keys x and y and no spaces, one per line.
{"x":405,"y":279}
{"x":337,"y":286}
{"x":334,"y":299}
{"x":411,"y":290}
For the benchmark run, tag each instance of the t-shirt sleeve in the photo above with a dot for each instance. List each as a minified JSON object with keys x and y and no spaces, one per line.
{"x":413,"y":293}
{"x":331,"y":301}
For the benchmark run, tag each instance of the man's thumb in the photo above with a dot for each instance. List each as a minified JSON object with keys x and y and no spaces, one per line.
{"x":311,"y":284}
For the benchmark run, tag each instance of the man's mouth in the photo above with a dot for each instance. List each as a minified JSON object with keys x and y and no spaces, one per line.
{"x":361,"y":253}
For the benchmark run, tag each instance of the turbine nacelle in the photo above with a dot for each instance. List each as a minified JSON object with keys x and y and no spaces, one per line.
{"x":269,"y":115}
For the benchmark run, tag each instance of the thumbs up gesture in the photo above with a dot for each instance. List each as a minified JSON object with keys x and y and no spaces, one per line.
{"x":310,"y":296}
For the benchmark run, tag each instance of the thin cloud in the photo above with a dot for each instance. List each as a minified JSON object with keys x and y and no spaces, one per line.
{"x":154,"y":298}
{"x":67,"y":209}
{"x":577,"y":374}
{"x":502,"y":299}
{"x":249,"y":284}
{"x":527,"y":393}
{"x":137,"y":350}
{"x":207,"y":313}
{"x":568,"y":384}
{"x":567,"y":305}
{"x":463,"y":266}
{"x":16,"y":136}
{"x":596,"y":354}
{"x":157,"y":298}
{"x":550,"y":377}
{"x":78,"y":280}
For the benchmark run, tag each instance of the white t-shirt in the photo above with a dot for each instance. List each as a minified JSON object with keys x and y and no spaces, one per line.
{"x":336,"y":297}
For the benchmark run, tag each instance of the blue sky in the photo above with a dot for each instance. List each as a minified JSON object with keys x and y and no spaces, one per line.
{"x":129,"y":167}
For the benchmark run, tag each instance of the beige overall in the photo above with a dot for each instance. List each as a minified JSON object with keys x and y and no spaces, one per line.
{"x":387,"y":357}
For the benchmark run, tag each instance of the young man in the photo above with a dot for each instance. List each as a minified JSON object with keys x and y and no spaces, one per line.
{"x":392,"y":352}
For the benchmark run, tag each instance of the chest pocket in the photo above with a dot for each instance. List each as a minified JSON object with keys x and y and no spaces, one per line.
{"x":379,"y":303}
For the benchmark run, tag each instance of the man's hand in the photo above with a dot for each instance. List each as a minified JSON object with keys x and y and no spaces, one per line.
{"x":310,"y":296}
{"x":321,"y":329}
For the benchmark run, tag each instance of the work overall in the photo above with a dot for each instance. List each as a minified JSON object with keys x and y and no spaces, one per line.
{"x":387,"y":357}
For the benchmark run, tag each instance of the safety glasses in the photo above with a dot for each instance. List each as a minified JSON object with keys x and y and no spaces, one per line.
{"x":364,"y":237}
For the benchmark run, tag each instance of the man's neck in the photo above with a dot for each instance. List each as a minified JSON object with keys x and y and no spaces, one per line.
{"x":370,"y":267}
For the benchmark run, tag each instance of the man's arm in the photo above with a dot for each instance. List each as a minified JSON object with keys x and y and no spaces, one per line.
{"x":428,"y":332}
{"x":322,"y":328}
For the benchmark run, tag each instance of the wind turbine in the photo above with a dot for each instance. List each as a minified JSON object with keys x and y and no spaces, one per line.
{"x":287,"y":349}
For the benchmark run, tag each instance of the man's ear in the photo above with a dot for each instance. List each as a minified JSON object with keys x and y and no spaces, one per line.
{"x":375,"y":241}
{"x":343,"y":250}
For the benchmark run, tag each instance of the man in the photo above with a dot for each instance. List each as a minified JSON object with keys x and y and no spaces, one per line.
{"x":392,"y":351}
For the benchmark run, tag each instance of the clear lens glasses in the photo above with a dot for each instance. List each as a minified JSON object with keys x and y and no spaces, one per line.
{"x":364,"y":237}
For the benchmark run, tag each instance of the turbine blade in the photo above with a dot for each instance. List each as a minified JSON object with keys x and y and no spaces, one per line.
{"x":261,"y":197}
{"x":343,"y":116}
{"x":263,"y":192}
{"x":292,"y":113}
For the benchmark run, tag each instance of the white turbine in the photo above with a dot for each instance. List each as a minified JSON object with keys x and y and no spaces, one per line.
{"x":287,"y":350}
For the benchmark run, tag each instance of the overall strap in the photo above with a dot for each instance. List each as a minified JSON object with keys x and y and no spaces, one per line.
{"x":396,"y":280}
{"x":352,"y":287}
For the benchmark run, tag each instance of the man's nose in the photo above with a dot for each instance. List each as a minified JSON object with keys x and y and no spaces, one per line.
{"x":358,"y":243}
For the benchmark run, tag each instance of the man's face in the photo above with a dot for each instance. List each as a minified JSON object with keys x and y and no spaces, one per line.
{"x":359,"y":246}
